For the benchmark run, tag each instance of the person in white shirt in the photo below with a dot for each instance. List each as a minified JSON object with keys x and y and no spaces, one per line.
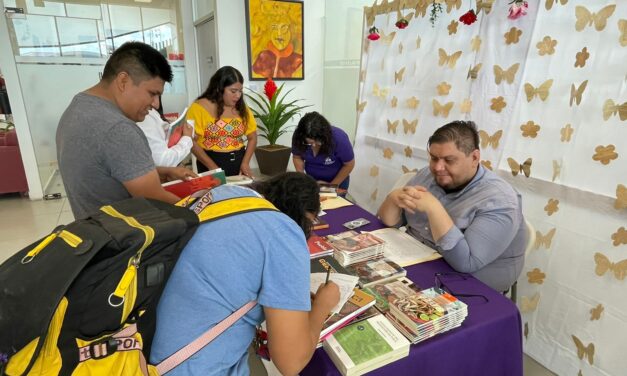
{"x":155,"y":130}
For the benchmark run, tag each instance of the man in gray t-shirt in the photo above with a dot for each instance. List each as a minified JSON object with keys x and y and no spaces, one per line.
{"x":470,"y":215}
{"x":103,"y":155}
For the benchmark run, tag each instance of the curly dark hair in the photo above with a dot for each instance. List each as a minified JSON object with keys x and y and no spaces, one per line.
{"x":293,"y":193}
{"x":314,"y":126}
{"x":463,"y":133}
{"x":140,"y":61}
{"x":221,"y":79}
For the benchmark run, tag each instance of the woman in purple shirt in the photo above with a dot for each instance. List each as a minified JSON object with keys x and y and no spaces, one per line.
{"x":322,"y":150}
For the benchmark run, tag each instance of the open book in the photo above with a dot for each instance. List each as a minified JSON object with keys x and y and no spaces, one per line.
{"x":403,"y":248}
{"x":205,"y":180}
{"x":175,"y":130}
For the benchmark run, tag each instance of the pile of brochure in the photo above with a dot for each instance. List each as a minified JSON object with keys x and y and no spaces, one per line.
{"x":351,"y":247}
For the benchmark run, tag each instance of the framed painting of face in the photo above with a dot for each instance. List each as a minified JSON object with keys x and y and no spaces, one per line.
{"x":274,"y":31}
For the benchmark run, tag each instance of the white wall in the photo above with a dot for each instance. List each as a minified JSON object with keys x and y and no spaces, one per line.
{"x":232,"y":51}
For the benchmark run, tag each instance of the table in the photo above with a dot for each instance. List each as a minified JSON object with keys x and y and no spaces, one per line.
{"x":489,"y":341}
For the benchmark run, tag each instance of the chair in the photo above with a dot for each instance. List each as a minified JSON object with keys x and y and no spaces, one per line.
{"x":12,"y":175}
{"x":403,"y":180}
{"x":531,"y":239}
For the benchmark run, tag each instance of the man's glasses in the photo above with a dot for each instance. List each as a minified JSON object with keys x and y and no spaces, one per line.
{"x":441,"y":280}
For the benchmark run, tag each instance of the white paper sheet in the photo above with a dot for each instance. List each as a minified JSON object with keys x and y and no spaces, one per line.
{"x":345,"y":282}
{"x":404,"y":249}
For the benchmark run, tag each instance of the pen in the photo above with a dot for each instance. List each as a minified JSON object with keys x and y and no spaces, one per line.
{"x":328,"y":274}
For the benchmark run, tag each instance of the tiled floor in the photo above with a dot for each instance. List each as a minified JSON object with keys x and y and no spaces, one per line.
{"x":23,"y":221}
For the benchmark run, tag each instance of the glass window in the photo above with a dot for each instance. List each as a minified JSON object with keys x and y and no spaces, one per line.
{"x":83,"y":11}
{"x":36,"y":36}
{"x":79,"y":37}
{"x":45,"y":8}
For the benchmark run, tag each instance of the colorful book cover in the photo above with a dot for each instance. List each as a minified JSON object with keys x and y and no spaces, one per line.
{"x":357,"y":243}
{"x":321,"y":264}
{"x":205,"y":180}
{"x":318,"y":246}
{"x":418,"y":308}
{"x":358,"y":303}
{"x":388,"y":292}
{"x":372,"y":272}
{"x":175,"y":130}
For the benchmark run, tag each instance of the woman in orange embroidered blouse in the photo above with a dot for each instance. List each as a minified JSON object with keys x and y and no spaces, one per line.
{"x":221,"y":121}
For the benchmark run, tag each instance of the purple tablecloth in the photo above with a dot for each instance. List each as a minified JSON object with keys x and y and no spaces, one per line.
{"x":489,"y":341}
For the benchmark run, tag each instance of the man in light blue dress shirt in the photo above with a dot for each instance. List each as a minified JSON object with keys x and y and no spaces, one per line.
{"x":469,"y":214}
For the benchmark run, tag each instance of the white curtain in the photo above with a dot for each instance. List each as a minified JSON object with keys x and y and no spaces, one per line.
{"x":548,"y":92}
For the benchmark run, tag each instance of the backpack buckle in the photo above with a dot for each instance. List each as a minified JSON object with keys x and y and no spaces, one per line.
{"x":104,"y":348}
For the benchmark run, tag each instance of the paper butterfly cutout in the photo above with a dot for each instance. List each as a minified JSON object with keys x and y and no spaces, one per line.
{"x":374,"y":171}
{"x":512,"y":36}
{"x":498,"y":104}
{"x":621,"y":197}
{"x":394,"y":102}
{"x":466,"y":106}
{"x":526,"y":331}
{"x":529,"y":305}
{"x":387,"y":39}
{"x":381,"y":93}
{"x":410,"y":127}
{"x":576,"y":93}
{"x":448,"y":60}
{"x":408,"y":151}
{"x":452,"y":27}
{"x":546,"y":46}
{"x":619,"y":237}
{"x":557,"y":169}
{"x":622,"y":28}
{"x":586,"y":18}
{"x":493,"y":140}
{"x":536,"y":276}
{"x":516,"y":168}
{"x":443,"y":110}
{"x":398,"y":76}
{"x":549,"y":3}
{"x":412,"y":102}
{"x":584,"y":350}
{"x":387,"y":153}
{"x":421,"y":8}
{"x":541,"y":91}
{"x":443,"y":88}
{"x":530,"y":129}
{"x":605,"y":154}
{"x":604,"y":264}
{"x":581,"y":57}
{"x":544,"y":240}
{"x":487,"y":164}
{"x":552,"y":206}
{"x":475,"y":43}
{"x":406,"y":169}
{"x":567,"y":133}
{"x":595,"y":313}
{"x":452,"y":3}
{"x":508,"y":75}
{"x":369,"y":13}
{"x":392,"y":126}
{"x":473,"y":72}
{"x":373,"y":196}
{"x":610,"y":108}
{"x":484,"y":5}
{"x":361,"y":106}
{"x":418,"y":40}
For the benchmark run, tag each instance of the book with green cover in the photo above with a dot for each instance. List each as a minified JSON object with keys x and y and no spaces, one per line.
{"x":366,"y":345}
{"x":356,"y":304}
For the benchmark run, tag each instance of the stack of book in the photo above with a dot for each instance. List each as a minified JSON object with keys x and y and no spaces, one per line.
{"x":365,"y":346}
{"x":318,"y":247}
{"x":352,"y":247}
{"x":426,"y":314}
{"x":358,"y":303}
{"x":374,"y":272}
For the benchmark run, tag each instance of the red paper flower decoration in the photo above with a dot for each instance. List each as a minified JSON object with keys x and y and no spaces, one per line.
{"x":469,"y":17}
{"x":402,"y":23}
{"x":517,"y":9}
{"x":269,"y":88}
{"x":373,"y":33}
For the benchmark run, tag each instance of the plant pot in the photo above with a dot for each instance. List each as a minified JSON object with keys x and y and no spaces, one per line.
{"x":272,"y":159}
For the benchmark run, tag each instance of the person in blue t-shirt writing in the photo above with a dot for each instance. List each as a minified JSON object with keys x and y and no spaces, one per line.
{"x":257,"y":255}
{"x":466,"y":212}
{"x":322,"y":150}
